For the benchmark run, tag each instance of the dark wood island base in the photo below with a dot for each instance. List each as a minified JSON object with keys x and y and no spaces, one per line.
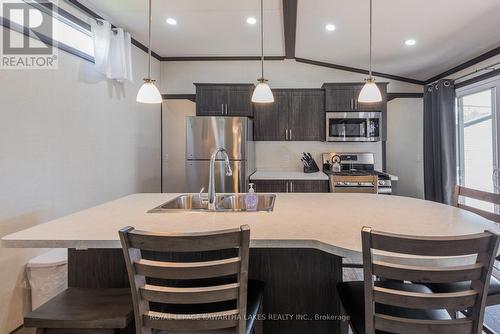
{"x":300,"y":294}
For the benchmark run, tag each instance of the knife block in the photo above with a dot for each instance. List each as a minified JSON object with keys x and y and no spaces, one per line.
{"x":313,"y":169}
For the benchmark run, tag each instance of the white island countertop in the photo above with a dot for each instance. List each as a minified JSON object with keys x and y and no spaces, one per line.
{"x":328,"y":222}
{"x":284,"y":175}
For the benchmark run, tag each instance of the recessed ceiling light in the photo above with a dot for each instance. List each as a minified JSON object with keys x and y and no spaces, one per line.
{"x":171,"y":21}
{"x":330,"y":27}
{"x":251,"y":20}
{"x":410,"y":42}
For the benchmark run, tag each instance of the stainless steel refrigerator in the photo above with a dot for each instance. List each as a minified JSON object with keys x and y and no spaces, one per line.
{"x":203,"y":136}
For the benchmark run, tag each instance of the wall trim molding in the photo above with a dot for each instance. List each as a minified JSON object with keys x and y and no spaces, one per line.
{"x":220,"y":58}
{"x":392,"y":96}
{"x":190,"y":97}
{"x":485,"y":56}
{"x":358,"y":70}
{"x":478,"y":78}
{"x":290,"y":27}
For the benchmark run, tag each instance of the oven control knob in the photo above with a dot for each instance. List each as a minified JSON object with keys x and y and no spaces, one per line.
{"x":360,"y":184}
{"x":380,"y":183}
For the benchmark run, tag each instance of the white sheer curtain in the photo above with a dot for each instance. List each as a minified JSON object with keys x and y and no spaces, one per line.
{"x":113,"y":51}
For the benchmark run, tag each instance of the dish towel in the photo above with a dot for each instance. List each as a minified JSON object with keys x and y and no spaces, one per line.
{"x":113,"y":51}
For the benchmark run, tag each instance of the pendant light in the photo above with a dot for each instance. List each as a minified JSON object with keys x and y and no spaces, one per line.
{"x":262,"y":93}
{"x":370,"y":92}
{"x":148,"y":93}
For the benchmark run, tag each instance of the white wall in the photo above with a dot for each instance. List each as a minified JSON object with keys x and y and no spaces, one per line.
{"x":285,"y":156}
{"x":178,"y":77}
{"x":69,"y":140}
{"x":405,"y":145}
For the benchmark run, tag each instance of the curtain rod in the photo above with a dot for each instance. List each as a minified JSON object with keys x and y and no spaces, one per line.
{"x":491,"y":67}
{"x":486,"y":68}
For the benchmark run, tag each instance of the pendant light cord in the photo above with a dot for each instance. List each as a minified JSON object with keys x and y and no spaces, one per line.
{"x":149,"y":40}
{"x":262,"y":37}
{"x":371,"y":36}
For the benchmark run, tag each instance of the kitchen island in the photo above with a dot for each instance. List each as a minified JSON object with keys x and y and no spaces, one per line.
{"x":297,"y":249}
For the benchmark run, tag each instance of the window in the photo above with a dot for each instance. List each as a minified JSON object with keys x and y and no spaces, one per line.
{"x":478,"y":138}
{"x":69,"y":32}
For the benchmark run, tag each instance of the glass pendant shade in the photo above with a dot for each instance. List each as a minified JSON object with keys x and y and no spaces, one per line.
{"x":262,"y":93}
{"x":149,"y":93}
{"x":370,"y":93}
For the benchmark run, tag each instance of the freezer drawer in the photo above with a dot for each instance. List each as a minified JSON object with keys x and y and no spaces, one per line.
{"x":197,"y":176}
{"x":205,"y":134}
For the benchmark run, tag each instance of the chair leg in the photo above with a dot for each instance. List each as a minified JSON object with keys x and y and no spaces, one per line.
{"x":344,"y":325}
{"x":259,"y":324}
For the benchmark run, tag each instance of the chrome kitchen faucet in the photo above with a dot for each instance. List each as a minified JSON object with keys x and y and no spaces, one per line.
{"x":211,"y":183}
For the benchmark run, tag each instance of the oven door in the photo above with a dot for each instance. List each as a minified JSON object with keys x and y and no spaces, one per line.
{"x":353,"y":126}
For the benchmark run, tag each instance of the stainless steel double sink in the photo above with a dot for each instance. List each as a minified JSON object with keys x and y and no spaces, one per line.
{"x":223,"y":203}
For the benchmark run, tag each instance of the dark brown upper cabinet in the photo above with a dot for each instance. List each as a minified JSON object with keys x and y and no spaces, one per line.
{"x":295,"y":115}
{"x":271,"y":119}
{"x":344,"y":97}
{"x":224,"y":99}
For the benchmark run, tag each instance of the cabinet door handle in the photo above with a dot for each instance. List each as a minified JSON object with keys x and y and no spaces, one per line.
{"x":291,"y":186}
{"x":226,"y":110}
{"x":222,"y":108}
{"x":352,"y":104}
{"x":286,"y":186}
{"x":290,"y":134}
{"x":286,"y":138}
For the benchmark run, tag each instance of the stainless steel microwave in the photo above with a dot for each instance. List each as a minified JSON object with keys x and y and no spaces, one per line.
{"x":354,"y":126}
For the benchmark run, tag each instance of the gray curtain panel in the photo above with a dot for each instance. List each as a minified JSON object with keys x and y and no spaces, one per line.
{"x":440,"y":153}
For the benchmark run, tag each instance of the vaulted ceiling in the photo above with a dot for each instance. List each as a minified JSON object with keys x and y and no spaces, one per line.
{"x":447,"y":32}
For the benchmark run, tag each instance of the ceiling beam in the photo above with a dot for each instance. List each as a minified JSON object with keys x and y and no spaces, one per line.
{"x":463,"y":66}
{"x":290,"y":27}
{"x":358,"y":70}
{"x":221,"y":58}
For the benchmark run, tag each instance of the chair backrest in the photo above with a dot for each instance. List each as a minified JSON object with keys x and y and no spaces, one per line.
{"x":161,"y":286}
{"x":478,"y":195}
{"x":484,"y":245}
{"x":368,"y":179}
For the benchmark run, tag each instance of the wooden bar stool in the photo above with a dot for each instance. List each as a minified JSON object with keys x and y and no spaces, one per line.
{"x":83,"y":311}
{"x":493,"y":296}
{"x":192,"y":282}
{"x":393,"y":306}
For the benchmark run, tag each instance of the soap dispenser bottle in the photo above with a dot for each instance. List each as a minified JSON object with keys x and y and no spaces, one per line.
{"x":251,"y":199}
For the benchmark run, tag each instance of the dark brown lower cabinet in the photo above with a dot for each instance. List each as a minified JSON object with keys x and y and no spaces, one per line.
{"x":289,"y":186}
{"x":270,"y":186}
{"x":310,"y":186}
{"x":299,"y":296}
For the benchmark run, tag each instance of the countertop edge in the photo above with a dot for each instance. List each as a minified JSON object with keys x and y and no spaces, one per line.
{"x":113,"y":244}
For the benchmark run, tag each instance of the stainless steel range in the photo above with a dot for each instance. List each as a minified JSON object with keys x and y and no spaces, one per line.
{"x":356,"y":167}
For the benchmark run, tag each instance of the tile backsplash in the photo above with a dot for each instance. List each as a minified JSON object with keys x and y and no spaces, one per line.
{"x":285,"y":156}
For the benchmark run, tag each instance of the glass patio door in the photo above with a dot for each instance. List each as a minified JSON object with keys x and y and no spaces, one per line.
{"x":478,"y":138}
